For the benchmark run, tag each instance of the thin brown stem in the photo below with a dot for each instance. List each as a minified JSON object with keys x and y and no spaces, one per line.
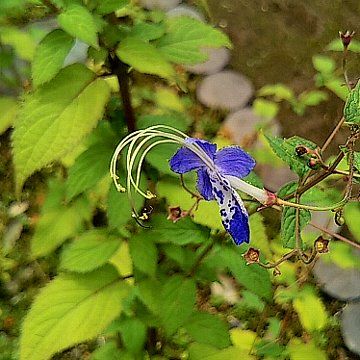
{"x":278,"y":262}
{"x":332,"y":135}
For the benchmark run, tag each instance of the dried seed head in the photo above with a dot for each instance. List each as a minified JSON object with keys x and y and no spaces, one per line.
{"x":321,"y":245}
{"x":174,"y":213}
{"x":252,"y":256}
{"x":347,"y":37}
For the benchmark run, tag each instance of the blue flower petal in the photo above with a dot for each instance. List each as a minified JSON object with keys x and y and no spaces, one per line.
{"x":234,"y":161}
{"x":204,"y":185}
{"x":185,"y":160}
{"x":232,"y":210}
{"x":209,"y":148}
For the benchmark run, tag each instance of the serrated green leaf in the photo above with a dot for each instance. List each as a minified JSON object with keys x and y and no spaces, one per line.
{"x":258,"y":234}
{"x":87,"y":303}
{"x":177,"y":302}
{"x":149,"y":294}
{"x":207,"y":352}
{"x":50,"y":55}
{"x":352,"y":106}
{"x":58,"y":222}
{"x":356,"y":160}
{"x":144,"y":57}
{"x":77,"y":21}
{"x":288,"y":225}
{"x":89,"y":168}
{"x":147,"y":31}
{"x":310,"y":310}
{"x":285,"y":150}
{"x":144,"y":253}
{"x":252,"y":277}
{"x":208,"y":329}
{"x":183,"y":232}
{"x":133,"y":334}
{"x":89,"y":251}
{"x":8,"y":110}
{"x":184,"y":38}
{"x":108,"y":6}
{"x":22,"y":42}
{"x":55,"y":118}
{"x":108,"y":351}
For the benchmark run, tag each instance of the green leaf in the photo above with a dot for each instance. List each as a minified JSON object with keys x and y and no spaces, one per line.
{"x":265,"y":108}
{"x":144,"y":253}
{"x":147,"y":31}
{"x":77,"y":21}
{"x":311,"y":310}
{"x":89,"y":251}
{"x":177,"y":302}
{"x":285,"y":150}
{"x":279,"y":91}
{"x":85,"y":303}
{"x":208,"y":329}
{"x":184,"y":38}
{"x":119,"y":210}
{"x":159,"y":157}
{"x":356,"y":160}
{"x":108,"y":6}
{"x":176,"y":120}
{"x":351,"y":215}
{"x":288,"y":225}
{"x":324,"y":64}
{"x":133,"y":334}
{"x":58,"y":222}
{"x":207,"y":352}
{"x":89,"y":168}
{"x":8,"y":110}
{"x":337,"y":45}
{"x":22,"y":42}
{"x":336,"y":85}
{"x":55,"y":118}
{"x":50,"y":55}
{"x":252,"y":277}
{"x":352,"y":106}
{"x":313,"y":97}
{"x":144,"y":57}
{"x":183,"y":232}
{"x":309,"y":351}
{"x":109,"y":351}
{"x":149,"y":294}
{"x":258,"y":234}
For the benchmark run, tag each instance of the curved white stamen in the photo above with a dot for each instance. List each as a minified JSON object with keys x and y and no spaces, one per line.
{"x":259,"y":194}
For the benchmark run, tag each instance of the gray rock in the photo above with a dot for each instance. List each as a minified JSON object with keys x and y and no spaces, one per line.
{"x":186,"y":10}
{"x":217,"y":59}
{"x":165,"y":5}
{"x":350,"y":326}
{"x":342,"y":284}
{"x":226,"y":90}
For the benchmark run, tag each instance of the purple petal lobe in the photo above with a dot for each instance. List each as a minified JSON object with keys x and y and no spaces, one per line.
{"x":209,"y":148}
{"x":234,"y":161}
{"x":232,"y":210}
{"x":204,"y":185}
{"x":185,"y":160}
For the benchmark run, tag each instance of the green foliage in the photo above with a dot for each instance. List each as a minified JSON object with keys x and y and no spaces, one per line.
{"x":352,"y":106}
{"x":108,"y":6}
{"x":55,"y":118}
{"x":87,"y":303}
{"x":50,"y":55}
{"x":309,"y":351}
{"x":185,"y":37}
{"x":351,"y":215}
{"x":77,"y":21}
{"x":8,"y":108}
{"x":89,"y":251}
{"x":285,"y":150}
{"x":133,"y":334}
{"x":337,"y":45}
{"x":288,"y":225}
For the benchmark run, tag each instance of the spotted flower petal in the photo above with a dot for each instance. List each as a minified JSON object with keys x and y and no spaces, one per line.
{"x":232,"y":210}
{"x":204,"y":184}
{"x":234,"y":161}
{"x":184,"y":161}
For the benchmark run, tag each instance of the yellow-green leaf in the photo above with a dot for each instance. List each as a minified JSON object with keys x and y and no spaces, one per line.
{"x":55,"y":118}
{"x":8,"y":109}
{"x":69,"y":310}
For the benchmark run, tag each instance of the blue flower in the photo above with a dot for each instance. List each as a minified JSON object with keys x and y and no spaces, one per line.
{"x":216,"y":171}
{"x":219,"y":173}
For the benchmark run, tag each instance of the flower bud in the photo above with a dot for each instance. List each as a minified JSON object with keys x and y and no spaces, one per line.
{"x":346,"y":38}
{"x":174,"y":213}
{"x":252,"y":256}
{"x":321,"y":245}
{"x":313,"y":164}
{"x":301,"y":150}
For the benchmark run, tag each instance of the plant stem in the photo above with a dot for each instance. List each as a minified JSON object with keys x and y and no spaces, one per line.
{"x":309,"y":207}
{"x":332,"y":135}
{"x":120,"y":69}
{"x":278,"y":262}
{"x":337,"y":236}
